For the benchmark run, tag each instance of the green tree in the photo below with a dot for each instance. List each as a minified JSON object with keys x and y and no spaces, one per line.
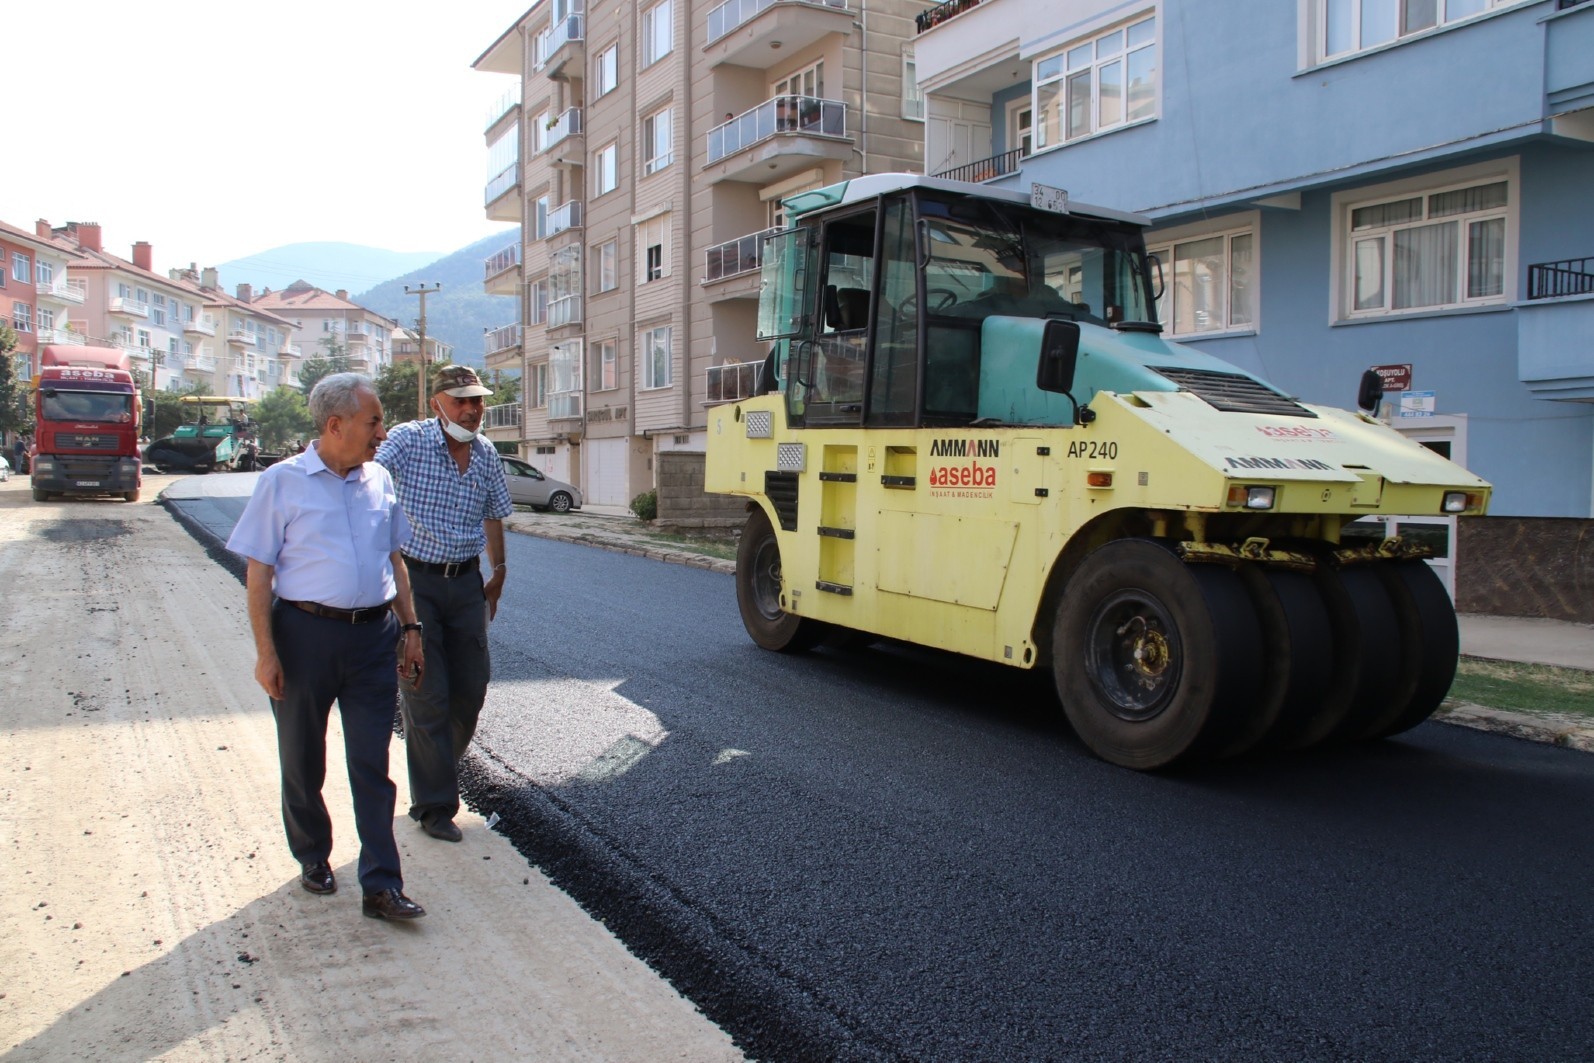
{"x":283,"y":415}
{"x":166,"y":413}
{"x":506,"y":389}
{"x":313,"y":369}
{"x":395,"y":386}
{"x":15,"y":413}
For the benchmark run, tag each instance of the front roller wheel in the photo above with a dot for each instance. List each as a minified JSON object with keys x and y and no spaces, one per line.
{"x":1155,"y":660}
{"x":759,"y":584}
{"x":1431,"y":640}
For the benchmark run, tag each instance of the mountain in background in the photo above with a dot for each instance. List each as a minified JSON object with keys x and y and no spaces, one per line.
{"x":328,"y":266}
{"x":461,"y":311}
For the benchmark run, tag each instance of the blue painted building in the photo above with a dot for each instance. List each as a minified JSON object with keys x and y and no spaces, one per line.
{"x":1335,"y":184}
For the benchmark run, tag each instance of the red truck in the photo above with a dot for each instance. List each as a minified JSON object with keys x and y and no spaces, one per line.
{"x":87,"y":411}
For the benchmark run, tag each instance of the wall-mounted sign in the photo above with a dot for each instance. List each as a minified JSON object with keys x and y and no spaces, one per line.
{"x":1417,"y":403}
{"x":1395,"y":377}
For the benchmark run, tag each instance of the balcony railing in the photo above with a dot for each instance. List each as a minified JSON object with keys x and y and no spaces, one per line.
{"x":291,"y":350}
{"x":938,"y":14}
{"x":563,"y":405}
{"x":731,"y":383}
{"x":503,"y":105}
{"x":508,"y":258}
{"x":130,"y":307}
{"x":565,"y":216}
{"x":61,"y":291}
{"x":1573,"y":276}
{"x":502,"y":338}
{"x":556,"y":37}
{"x":200,"y":325}
{"x":733,"y":13}
{"x":986,"y":169}
{"x":60,"y":335}
{"x":566,"y":125}
{"x":242,"y":336}
{"x":203,"y":363}
{"x":564,"y":311}
{"x":506,"y":415}
{"x":505,"y":180}
{"x":742,"y":255}
{"x":808,"y":115}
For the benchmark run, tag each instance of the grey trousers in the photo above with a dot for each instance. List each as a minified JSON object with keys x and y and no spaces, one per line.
{"x":440,"y":716}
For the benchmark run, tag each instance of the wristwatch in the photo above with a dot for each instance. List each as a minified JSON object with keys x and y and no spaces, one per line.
{"x":416,"y":627}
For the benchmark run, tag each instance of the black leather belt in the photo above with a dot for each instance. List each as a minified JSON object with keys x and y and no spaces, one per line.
{"x":447,"y":569}
{"x":368,"y":615}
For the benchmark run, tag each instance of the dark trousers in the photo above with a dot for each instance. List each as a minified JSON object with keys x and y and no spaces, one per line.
{"x":440,"y":716}
{"x":355,"y":665}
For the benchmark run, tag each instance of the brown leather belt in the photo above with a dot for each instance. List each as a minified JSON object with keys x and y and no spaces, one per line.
{"x":448,"y":570}
{"x":368,"y":615}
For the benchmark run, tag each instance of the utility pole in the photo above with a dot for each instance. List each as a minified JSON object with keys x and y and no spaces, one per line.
{"x":420,"y":366}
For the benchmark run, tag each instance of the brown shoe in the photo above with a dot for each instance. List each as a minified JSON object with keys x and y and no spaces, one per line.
{"x":317,"y":878}
{"x":390,"y":904}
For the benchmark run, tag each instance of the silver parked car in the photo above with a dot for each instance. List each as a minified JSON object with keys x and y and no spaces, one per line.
{"x":530,"y":486}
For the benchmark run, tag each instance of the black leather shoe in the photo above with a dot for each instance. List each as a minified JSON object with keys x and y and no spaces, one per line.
{"x":390,"y":904}
{"x":317,"y":878}
{"x":444,"y":830}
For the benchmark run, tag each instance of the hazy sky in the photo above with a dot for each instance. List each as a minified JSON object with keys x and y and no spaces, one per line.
{"x":216,"y":129}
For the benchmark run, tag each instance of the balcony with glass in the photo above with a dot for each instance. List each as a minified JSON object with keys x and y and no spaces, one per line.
{"x":561,"y":47}
{"x":126,"y":306}
{"x":757,"y":33}
{"x":1555,"y":330}
{"x":730,"y":269}
{"x":501,"y":272}
{"x":503,"y":194}
{"x":504,"y":415}
{"x":560,"y":129}
{"x":730,"y":383}
{"x":564,"y":311}
{"x":505,"y":105}
{"x":501,"y":347}
{"x":564,"y":217}
{"x":778,"y":138}
{"x":564,"y":405}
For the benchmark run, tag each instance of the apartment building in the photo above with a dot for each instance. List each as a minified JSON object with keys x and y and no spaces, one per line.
{"x":323,"y":322}
{"x":406,"y":348}
{"x":1335,"y":185}
{"x":37,"y":298}
{"x":644,"y":149}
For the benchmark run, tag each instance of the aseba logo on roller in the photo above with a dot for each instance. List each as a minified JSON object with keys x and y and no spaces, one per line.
{"x":970,"y":468}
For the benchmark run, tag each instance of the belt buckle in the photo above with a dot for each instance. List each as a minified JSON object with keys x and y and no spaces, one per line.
{"x":452,"y":569}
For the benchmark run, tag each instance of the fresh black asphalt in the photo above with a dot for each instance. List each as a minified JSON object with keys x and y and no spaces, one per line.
{"x":891,"y":853}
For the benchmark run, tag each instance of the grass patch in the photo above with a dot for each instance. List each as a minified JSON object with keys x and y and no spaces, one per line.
{"x":723,"y":549}
{"x":1535,"y":688}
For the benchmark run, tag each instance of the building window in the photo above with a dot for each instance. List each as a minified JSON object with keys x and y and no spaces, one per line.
{"x":46,"y":319}
{"x":658,"y":32}
{"x":603,"y":171}
{"x":606,"y":72}
{"x":1097,"y":84}
{"x":538,"y":398}
{"x":608,"y":256}
{"x":143,"y":339}
{"x":809,"y":81}
{"x":912,"y":98}
{"x":539,"y":225}
{"x":22,"y":316}
{"x":607,"y":359}
{"x":1347,"y":26}
{"x":1428,"y":249}
{"x":44,"y":272}
{"x":1211,"y":282}
{"x":654,"y":345}
{"x":653,"y":249}
{"x":656,"y":141}
{"x":539,"y":301}
{"x":21,"y":267}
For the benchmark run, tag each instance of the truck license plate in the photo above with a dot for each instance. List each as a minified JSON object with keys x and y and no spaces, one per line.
{"x":88,"y":483}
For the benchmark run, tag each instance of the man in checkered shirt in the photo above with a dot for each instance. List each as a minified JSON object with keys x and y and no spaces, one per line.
{"x":451,"y":484}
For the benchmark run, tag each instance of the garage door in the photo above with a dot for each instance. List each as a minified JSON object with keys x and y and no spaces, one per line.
{"x":606,"y":472}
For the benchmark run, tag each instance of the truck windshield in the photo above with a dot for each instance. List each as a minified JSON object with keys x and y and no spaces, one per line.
{"x":88,"y":406}
{"x":992,"y":258}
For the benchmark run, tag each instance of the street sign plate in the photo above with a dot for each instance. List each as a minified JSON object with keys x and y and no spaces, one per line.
{"x":1395,"y":377}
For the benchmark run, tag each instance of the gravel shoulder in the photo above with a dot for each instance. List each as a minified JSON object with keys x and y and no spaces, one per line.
{"x":148,"y":904}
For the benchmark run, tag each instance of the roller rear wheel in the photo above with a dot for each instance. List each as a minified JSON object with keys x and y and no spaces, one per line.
{"x":760,"y":586}
{"x":1155,"y":660}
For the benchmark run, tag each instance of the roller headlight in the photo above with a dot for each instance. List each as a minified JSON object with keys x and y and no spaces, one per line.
{"x":1252,"y":496}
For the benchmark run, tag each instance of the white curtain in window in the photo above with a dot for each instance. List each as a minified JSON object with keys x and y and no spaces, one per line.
{"x":1370,"y":274}
{"x":1241,"y":289}
{"x":1200,"y":281}
{"x":1425,"y":266}
{"x":1486,"y":258}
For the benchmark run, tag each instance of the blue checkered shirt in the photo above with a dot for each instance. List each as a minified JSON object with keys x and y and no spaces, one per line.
{"x":445,"y":507}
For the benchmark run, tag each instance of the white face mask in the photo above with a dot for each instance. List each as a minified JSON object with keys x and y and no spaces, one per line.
{"x":458,"y":434}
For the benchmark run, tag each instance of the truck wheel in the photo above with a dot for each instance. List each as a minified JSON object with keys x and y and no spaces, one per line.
{"x":130,"y":496}
{"x":1296,"y":663}
{"x":758,"y":592}
{"x":40,"y":496}
{"x":1431,"y":642}
{"x":1155,"y":660}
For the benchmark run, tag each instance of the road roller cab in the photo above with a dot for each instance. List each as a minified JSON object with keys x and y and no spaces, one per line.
{"x":972,"y":436}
